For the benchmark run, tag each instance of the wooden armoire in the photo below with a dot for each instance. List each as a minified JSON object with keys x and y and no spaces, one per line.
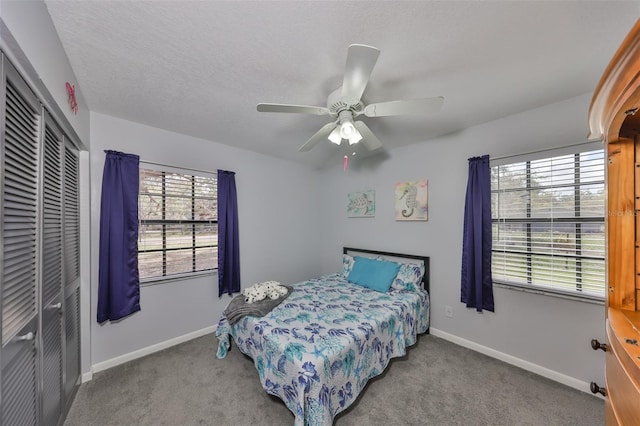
{"x":614,"y":116}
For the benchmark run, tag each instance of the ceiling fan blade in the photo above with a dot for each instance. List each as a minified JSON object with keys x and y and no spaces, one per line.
{"x":360,"y":62}
{"x":368,"y":138}
{"x":300,"y":109}
{"x":320,"y":135}
{"x":411,"y":107}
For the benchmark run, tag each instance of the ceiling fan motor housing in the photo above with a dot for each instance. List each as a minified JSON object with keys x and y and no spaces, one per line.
{"x":336,"y":104}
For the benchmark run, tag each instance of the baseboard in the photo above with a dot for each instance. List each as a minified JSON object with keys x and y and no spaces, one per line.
{"x":87,"y":377}
{"x":509,"y":359}
{"x":518,"y":362}
{"x":105,"y":365}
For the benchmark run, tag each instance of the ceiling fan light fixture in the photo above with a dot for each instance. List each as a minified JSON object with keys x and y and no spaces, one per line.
{"x":335,"y":136}
{"x":355,"y":137}
{"x":347,"y":128}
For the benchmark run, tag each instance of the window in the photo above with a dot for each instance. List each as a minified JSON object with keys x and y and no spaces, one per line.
{"x":548,"y":224}
{"x":178,"y":231}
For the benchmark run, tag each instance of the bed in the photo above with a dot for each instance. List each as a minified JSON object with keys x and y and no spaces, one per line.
{"x":317,"y":350}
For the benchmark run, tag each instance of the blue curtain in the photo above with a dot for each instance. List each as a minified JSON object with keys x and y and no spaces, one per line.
{"x":119,"y":284}
{"x":476,"y":286}
{"x":228,"y":243}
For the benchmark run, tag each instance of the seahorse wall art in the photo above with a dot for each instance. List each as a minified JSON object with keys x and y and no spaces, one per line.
{"x":361,"y":204}
{"x":411,"y":200}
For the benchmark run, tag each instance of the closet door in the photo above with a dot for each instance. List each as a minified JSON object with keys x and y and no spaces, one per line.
{"x":51,"y":273}
{"x":71,"y":280}
{"x":20,"y":133}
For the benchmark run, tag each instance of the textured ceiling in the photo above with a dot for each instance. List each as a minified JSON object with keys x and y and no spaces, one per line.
{"x":200,"y":68}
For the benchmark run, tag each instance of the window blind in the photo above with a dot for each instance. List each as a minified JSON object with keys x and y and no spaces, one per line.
{"x":548,"y":223}
{"x":178,"y":216}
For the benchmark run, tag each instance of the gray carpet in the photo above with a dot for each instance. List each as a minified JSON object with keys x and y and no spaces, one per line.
{"x":436,"y":383}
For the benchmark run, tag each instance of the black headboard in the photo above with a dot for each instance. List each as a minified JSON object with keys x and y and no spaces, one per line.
{"x":423,"y":259}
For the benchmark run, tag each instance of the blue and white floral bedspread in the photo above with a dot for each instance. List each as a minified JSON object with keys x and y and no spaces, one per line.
{"x":318,"y":349}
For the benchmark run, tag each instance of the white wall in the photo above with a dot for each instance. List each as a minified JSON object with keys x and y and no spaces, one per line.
{"x":278,"y":237}
{"x":548,"y":332}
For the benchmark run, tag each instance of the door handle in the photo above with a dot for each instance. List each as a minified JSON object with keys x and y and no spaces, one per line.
{"x":55,"y":306}
{"x":25,"y":337}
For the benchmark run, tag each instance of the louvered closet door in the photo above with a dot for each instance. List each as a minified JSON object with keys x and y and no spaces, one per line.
{"x":72,"y":345}
{"x":51,"y":273}
{"x":71,"y":223}
{"x":19,"y":186}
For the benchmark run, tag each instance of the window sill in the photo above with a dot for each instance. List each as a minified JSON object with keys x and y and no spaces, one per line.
{"x":586,"y":298}
{"x":178,"y":277}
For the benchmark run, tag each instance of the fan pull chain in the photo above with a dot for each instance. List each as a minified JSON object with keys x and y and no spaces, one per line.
{"x":345,"y":163}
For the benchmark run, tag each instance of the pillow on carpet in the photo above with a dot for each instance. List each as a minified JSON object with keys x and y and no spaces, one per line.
{"x":374,"y":274}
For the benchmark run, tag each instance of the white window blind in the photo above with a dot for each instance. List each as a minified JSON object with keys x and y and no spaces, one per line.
{"x":548,"y":223}
{"x":178,"y":216}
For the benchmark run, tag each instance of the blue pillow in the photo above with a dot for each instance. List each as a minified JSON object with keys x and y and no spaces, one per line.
{"x":374,"y":274}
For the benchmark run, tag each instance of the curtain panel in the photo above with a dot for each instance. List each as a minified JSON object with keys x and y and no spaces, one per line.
{"x":228,"y":242}
{"x":119,"y":283}
{"x":476,"y":284}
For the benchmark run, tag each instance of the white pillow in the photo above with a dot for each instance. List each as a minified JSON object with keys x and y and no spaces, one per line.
{"x":347,"y":264}
{"x":409,"y":277}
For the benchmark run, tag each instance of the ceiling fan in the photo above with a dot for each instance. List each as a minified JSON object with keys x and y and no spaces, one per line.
{"x":345,"y":104}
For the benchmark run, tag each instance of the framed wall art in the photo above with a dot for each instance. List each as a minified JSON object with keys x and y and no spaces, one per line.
{"x":411,"y":200}
{"x":361,"y":204}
